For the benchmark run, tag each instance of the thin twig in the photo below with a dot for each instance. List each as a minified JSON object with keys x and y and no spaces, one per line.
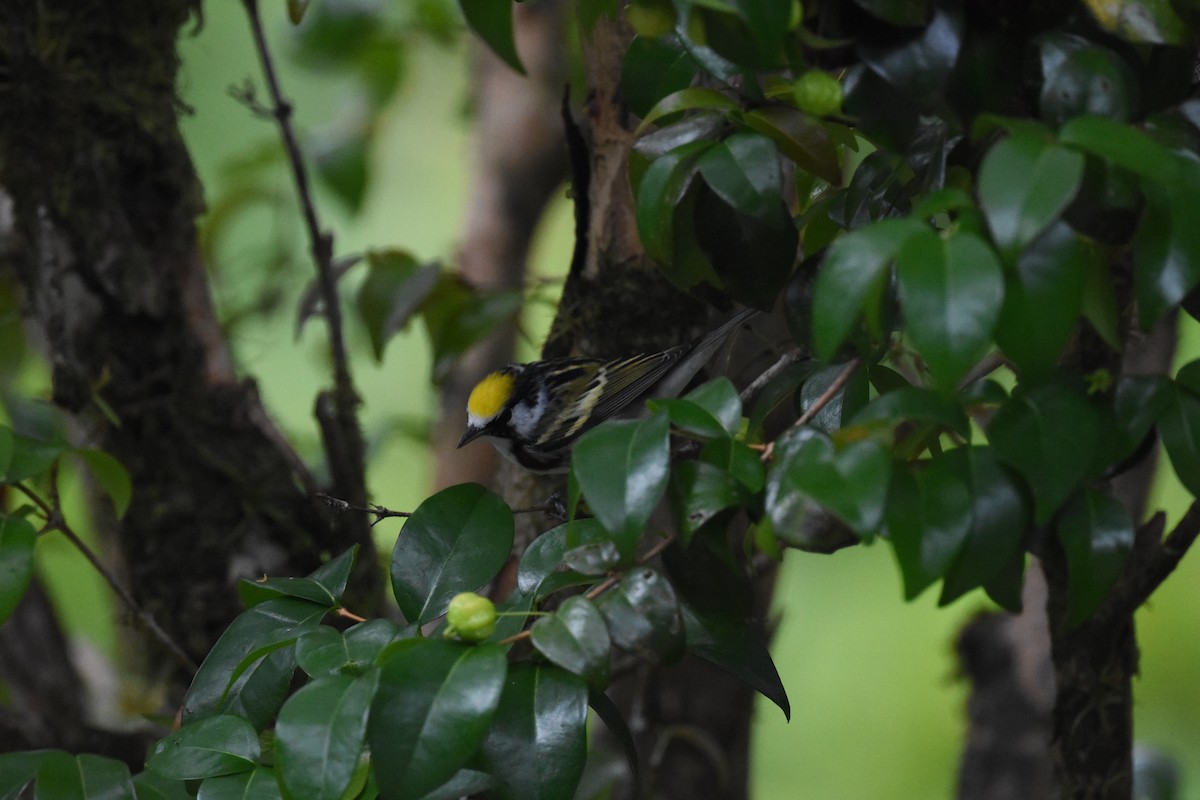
{"x":826,"y":396}
{"x":757,"y":385}
{"x":55,"y":521}
{"x":1162,"y":556}
{"x":382,"y":512}
{"x":345,"y":398}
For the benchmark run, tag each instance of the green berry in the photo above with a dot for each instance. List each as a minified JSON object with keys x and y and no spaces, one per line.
{"x":817,"y":93}
{"x":470,"y":617}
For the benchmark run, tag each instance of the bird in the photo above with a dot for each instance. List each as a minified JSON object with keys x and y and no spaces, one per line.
{"x":534,"y":413}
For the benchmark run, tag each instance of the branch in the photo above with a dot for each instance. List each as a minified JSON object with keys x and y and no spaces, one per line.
{"x":758,"y":384}
{"x":346,"y":458}
{"x":56,"y":521}
{"x":819,"y":403}
{"x":1162,"y":556}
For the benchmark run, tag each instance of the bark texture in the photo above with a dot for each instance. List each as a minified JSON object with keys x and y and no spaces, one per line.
{"x":102,"y":242}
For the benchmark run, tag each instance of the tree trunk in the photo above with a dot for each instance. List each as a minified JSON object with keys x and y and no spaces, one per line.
{"x":102,"y":241}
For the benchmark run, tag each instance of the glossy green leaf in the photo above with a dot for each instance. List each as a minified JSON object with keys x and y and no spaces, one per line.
{"x":912,"y":404}
{"x":111,"y":476}
{"x":1049,"y":435}
{"x":919,"y":67}
{"x":542,"y":570}
{"x":739,"y":460}
{"x":610,"y":715}
{"x":1166,"y":247}
{"x":259,"y":784}
{"x":597,"y":558}
{"x":1179,"y":427}
{"x":326,"y":650}
{"x":803,"y":138}
{"x":928,"y":520}
{"x":1124,"y":145}
{"x":320,"y":733}
{"x":850,"y":481}
{"x":575,"y":638}
{"x":622,"y":470}
{"x":433,"y":706}
{"x":149,"y":785}
{"x":62,"y":776}
{"x":700,"y":491}
{"x":642,"y":614}
{"x":952,"y":291}
{"x":1025,"y":183}
{"x":465,"y":783}
{"x":744,"y":172}
{"x":17,"y":540}
{"x":660,"y":191}
{"x":538,"y":742}
{"x":18,"y":770}
{"x":999,"y":517}
{"x":1043,"y":298}
{"x":323,"y":587}
{"x":456,"y":541}
{"x":851,"y":281}
{"x":218,"y":745}
{"x":25,"y":457}
{"x":213,"y":689}
{"x":694,"y":98}
{"x":1096,"y":533}
{"x":1083,"y":78}
{"x":654,"y":68}
{"x":734,"y":647}
{"x":395,"y":287}
{"x":719,"y":398}
{"x":689,"y":417}
{"x":493,"y":23}
{"x":1140,"y":21}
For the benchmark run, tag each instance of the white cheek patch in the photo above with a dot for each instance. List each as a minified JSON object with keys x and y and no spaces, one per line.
{"x":526,"y":416}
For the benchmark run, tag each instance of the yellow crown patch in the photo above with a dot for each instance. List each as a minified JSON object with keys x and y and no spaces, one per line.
{"x":490,"y":395}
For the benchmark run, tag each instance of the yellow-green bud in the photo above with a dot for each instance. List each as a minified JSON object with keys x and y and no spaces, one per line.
{"x":470,"y":617}
{"x":817,"y":93}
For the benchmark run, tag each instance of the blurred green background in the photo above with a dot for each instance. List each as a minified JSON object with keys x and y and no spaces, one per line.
{"x":877,"y":703}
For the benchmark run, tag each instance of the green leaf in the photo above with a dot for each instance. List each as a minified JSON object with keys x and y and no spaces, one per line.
{"x":622,"y":470}
{"x":112,"y":477}
{"x":218,"y":745}
{"x":215,"y":688}
{"x":1025,"y":183}
{"x":320,"y":733}
{"x":654,"y":68}
{"x":325,"y":651}
{"x":903,"y":13}
{"x":27,"y":457}
{"x":538,"y":742}
{"x":456,"y":541}
{"x":323,"y":587}
{"x":1049,"y":435}
{"x":928,"y":520}
{"x":744,"y":172}
{"x":999,"y":517}
{"x":434,"y":705}
{"x":542,"y":571}
{"x":18,"y":769}
{"x":1179,"y":426}
{"x":493,"y":22}
{"x":911,"y":404}
{"x":730,"y":239}
{"x":1140,"y":21}
{"x":395,"y":287}
{"x":610,"y":715}
{"x":850,"y":481}
{"x":1166,"y":247}
{"x":739,"y":460}
{"x":339,"y":157}
{"x":1042,"y":301}
{"x":149,"y":785}
{"x":465,"y":783}
{"x":62,"y":776}
{"x":851,"y":281}
{"x":691,"y":99}
{"x":803,"y":138}
{"x":919,"y":67}
{"x":457,"y":315}
{"x":1080,"y":78}
{"x":575,"y":638}
{"x":660,"y":191}
{"x":952,"y":291}
{"x":1096,"y":534}
{"x":734,"y":647}
{"x":642,"y":614}
{"x":259,"y":784}
{"x":17,"y":540}
{"x":700,"y":491}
